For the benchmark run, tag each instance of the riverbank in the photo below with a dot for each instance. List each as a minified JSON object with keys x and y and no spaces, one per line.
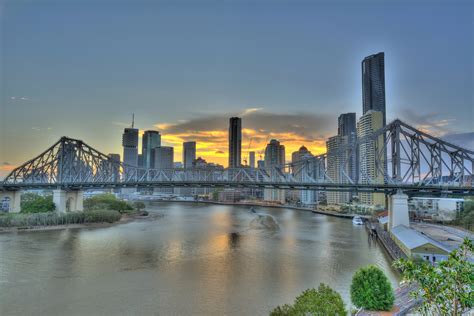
{"x":293,"y":207}
{"x":126,"y":218}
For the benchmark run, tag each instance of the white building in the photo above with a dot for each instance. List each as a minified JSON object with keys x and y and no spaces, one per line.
{"x":441,"y":209}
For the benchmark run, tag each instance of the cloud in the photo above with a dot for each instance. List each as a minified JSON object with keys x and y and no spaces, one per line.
{"x":464,"y":140}
{"x":430,"y":123}
{"x":258,"y":127}
{"x":21,"y":98}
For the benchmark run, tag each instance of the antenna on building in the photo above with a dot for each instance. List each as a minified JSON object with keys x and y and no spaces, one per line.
{"x":133,"y":120}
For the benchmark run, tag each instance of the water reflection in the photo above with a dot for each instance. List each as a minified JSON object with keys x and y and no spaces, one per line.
{"x":195,"y":260}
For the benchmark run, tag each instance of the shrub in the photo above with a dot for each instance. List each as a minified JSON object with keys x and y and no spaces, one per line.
{"x":323,"y":301}
{"x":139,"y":205}
{"x":96,"y":216}
{"x":447,"y":288}
{"x":371,"y":289}
{"x":34,"y":203}
{"x":51,"y":218}
{"x":107,"y":201}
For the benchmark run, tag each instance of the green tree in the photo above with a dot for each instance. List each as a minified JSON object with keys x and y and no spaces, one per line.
{"x":371,"y":289}
{"x":447,"y":288}
{"x":107,"y":201}
{"x":139,"y":206}
{"x":321,"y":302}
{"x":34,"y":203}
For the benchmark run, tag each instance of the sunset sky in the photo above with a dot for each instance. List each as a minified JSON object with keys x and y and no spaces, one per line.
{"x":79,"y":68}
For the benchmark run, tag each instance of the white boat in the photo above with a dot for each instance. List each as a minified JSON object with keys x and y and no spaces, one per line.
{"x":357,"y":220}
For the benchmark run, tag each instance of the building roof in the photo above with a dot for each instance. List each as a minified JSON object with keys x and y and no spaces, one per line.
{"x":413,"y":239}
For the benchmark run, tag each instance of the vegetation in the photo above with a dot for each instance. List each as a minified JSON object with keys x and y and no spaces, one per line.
{"x":371,"y":290}
{"x":53,"y":218}
{"x":107,"y":201}
{"x":323,"y":301}
{"x":139,"y":206}
{"x":465,"y":218}
{"x":34,"y":203}
{"x":447,"y":288}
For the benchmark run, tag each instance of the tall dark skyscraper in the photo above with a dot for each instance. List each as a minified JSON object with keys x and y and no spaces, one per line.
{"x":189,"y":154}
{"x":150,"y":141}
{"x":235,"y":141}
{"x":347,"y":124}
{"x":373,"y":84}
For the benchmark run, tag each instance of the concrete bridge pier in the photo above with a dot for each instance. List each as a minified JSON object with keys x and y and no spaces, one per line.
{"x":10,"y":201}
{"x":398,"y":210}
{"x":68,"y":201}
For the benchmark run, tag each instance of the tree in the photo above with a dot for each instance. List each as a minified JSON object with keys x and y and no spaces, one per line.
{"x":447,"y":288}
{"x":106,"y":201}
{"x":323,"y":301}
{"x":371,"y":289}
{"x":34,"y":203}
{"x":139,"y":206}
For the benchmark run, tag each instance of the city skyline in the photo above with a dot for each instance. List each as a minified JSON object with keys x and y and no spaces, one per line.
{"x":295,"y":101}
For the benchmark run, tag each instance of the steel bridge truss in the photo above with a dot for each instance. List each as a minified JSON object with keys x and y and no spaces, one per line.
{"x":396,"y":156}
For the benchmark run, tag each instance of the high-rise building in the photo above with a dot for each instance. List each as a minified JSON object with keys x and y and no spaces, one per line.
{"x":371,"y":160}
{"x":306,"y":197}
{"x":164,"y":157}
{"x":252,"y":159}
{"x":189,"y":154}
{"x":130,"y":146}
{"x":115,"y":167}
{"x":150,"y":141}
{"x":373,"y":84}
{"x":274,"y":157}
{"x":235,"y":141}
{"x":338,"y":163}
{"x":346,"y":124}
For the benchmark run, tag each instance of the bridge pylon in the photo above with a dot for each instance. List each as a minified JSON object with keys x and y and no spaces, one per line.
{"x":68,"y":201}
{"x":398,"y":210}
{"x":10,"y":201}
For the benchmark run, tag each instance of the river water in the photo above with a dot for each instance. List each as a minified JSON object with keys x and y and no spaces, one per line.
{"x":196,"y":259}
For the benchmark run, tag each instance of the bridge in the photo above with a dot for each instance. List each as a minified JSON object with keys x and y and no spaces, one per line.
{"x":397,"y":158}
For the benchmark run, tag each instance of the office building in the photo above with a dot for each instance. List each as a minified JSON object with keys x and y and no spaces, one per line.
{"x":252,"y":159}
{"x":338,"y":162}
{"x":373,"y":84}
{"x":302,"y":172}
{"x":274,"y":158}
{"x":189,"y":154}
{"x":235,"y":141}
{"x":130,"y":146}
{"x":115,"y":167}
{"x":164,"y":157}
{"x":150,"y":141}
{"x":371,"y":158}
{"x":347,"y":126}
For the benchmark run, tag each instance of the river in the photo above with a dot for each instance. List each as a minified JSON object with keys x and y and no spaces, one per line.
{"x":196,"y":259}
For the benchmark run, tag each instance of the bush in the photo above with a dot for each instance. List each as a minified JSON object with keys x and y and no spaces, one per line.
{"x":51,"y":218}
{"x":371,"y":289}
{"x":34,"y":203}
{"x":139,"y":206}
{"x":323,"y":301}
{"x":107,"y":201}
{"x":108,"y":216}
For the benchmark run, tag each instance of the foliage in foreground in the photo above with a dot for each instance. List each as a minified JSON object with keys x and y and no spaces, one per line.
{"x":323,"y":301}
{"x":465,"y":218}
{"x":107,"y":201}
{"x":371,"y":290}
{"x":35,"y":203}
{"x":447,"y":288}
{"x":52,"y":218}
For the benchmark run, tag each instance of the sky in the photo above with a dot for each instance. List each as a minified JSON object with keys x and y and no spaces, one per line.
{"x":80,"y":68}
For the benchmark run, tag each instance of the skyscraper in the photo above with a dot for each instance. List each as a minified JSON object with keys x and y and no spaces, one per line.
{"x":252,"y":159}
{"x":189,"y":154}
{"x":235,"y":141}
{"x":130,"y":146}
{"x":274,"y":157}
{"x":346,"y":124}
{"x":164,"y":157}
{"x":372,"y":163}
{"x":115,"y":167}
{"x":338,"y":167}
{"x":150,"y":141}
{"x":373,"y":84}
